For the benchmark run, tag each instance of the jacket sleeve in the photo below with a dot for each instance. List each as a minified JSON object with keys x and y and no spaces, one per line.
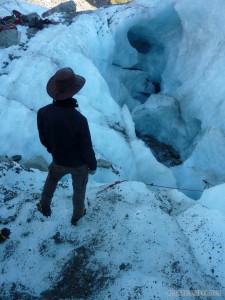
{"x":85,"y":145}
{"x":41,"y":132}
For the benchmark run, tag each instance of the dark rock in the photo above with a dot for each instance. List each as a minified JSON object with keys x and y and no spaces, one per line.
{"x":67,"y":7}
{"x":124,"y":267}
{"x":164,"y":153}
{"x":16,"y":157}
{"x":9,"y":37}
{"x":32,"y":17}
{"x":12,"y":56}
{"x":104,"y":164}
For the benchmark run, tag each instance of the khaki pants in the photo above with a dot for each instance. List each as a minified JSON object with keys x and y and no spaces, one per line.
{"x":79,"y":179}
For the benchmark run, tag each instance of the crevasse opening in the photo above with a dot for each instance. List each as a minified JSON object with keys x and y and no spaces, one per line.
{"x":142,"y":52}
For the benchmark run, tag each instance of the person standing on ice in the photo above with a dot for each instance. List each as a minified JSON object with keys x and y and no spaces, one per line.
{"x":64,"y":131}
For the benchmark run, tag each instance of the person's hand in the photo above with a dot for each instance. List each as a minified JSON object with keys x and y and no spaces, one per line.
{"x":91,"y":172}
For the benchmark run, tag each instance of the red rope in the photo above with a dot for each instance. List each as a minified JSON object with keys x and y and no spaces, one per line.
{"x":113,"y":184}
{"x":169,"y":187}
{"x":160,"y":186}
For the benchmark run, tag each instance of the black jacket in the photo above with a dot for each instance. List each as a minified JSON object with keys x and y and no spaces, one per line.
{"x":65,"y":133}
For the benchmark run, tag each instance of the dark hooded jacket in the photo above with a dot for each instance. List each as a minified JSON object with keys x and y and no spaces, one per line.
{"x":64,"y":131}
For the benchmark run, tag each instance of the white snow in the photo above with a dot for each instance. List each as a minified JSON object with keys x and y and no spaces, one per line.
{"x":137,"y":241}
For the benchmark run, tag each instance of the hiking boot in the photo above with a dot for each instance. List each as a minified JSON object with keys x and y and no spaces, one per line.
{"x":45,"y":210}
{"x":75,"y":220}
{"x":4,"y":234}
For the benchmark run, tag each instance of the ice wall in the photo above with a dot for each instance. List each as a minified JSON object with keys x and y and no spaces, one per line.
{"x":198,"y":70}
{"x":145,"y":43}
{"x":179,"y":45}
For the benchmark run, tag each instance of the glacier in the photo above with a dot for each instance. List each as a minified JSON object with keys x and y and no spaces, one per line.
{"x":137,"y":241}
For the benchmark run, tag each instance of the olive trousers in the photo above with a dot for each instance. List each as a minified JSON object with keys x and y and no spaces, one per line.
{"x":79,"y":180}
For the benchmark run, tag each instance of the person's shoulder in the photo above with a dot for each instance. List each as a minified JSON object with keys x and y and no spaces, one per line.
{"x":79,"y":115}
{"x":46,"y":107}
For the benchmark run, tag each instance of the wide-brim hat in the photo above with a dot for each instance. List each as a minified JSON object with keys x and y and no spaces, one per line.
{"x":64,"y":84}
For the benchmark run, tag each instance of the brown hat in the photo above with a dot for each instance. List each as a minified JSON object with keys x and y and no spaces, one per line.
{"x":64,"y":84}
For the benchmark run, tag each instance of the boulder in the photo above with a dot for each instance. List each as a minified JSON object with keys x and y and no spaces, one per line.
{"x":104,"y":163}
{"x":32,"y":17}
{"x":37,"y":162}
{"x":9,"y":37}
{"x":68,"y":7}
{"x":16,"y":157}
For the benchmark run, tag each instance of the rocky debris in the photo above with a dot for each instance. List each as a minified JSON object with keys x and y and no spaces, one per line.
{"x":82,"y":276}
{"x":16,"y":158}
{"x":37,"y":24}
{"x":32,"y":16}
{"x":105,"y":164}
{"x":9,"y":33}
{"x":4,"y":159}
{"x":37,"y":162}
{"x":100,"y":3}
{"x":68,"y":7}
{"x":7,"y":194}
{"x":164,"y":153}
{"x":9,"y":38}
